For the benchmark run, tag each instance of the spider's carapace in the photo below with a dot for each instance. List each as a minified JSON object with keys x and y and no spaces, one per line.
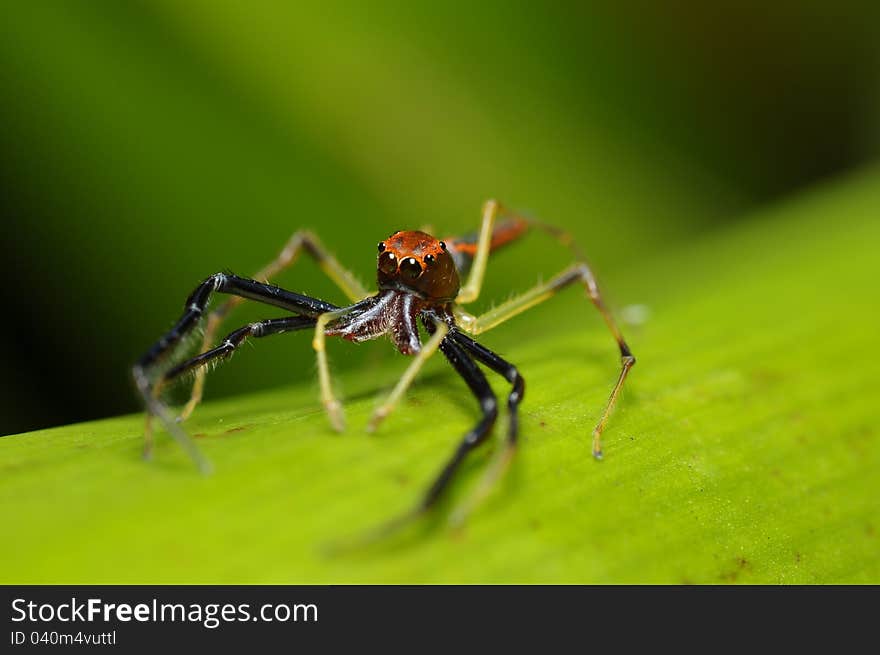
{"x":416,"y":261}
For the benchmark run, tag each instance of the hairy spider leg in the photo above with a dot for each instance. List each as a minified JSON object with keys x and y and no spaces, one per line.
{"x":232,"y":341}
{"x":504,"y":231}
{"x":301,"y":240}
{"x":331,"y":404}
{"x":479,"y":386}
{"x":235,"y":339}
{"x":145,"y":370}
{"x":428,"y":349}
{"x":503,"y":456}
{"x":504,"y":227}
{"x":471,"y":252}
{"x":579,"y":272}
{"x":471,"y":289}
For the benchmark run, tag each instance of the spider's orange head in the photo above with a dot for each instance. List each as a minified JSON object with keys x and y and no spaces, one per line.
{"x":416,"y":261}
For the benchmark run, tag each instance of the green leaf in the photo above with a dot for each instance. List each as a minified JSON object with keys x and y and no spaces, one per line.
{"x":744,"y":448}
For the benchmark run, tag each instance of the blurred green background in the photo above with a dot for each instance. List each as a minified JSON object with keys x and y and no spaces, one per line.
{"x":144,"y":146}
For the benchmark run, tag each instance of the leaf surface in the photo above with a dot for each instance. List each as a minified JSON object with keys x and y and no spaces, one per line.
{"x":744,"y":449}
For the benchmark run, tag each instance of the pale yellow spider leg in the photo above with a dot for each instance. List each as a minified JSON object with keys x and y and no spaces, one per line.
{"x":300,"y":240}
{"x":479,"y":324}
{"x":471,"y":290}
{"x":576,"y":273}
{"x":428,"y":349}
{"x":331,"y":404}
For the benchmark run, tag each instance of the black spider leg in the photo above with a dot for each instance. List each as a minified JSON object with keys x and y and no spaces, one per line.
{"x":505,"y":369}
{"x":232,"y":341}
{"x":478,"y":384}
{"x":236,"y":338}
{"x":504,"y":456}
{"x":194,"y":309}
{"x":236,"y":286}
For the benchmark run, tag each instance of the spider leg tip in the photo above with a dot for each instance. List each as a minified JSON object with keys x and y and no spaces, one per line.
{"x":457,"y":522}
{"x":458,"y":530}
{"x":336,"y":415}
{"x":376,"y":420}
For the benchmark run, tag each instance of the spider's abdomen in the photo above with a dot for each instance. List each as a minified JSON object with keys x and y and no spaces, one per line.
{"x":417,"y":262}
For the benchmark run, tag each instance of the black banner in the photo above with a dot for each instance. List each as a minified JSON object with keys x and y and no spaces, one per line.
{"x":131,"y":618}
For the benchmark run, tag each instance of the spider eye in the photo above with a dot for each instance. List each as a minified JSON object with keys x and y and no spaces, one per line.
{"x":443,"y":245}
{"x":388,"y":263}
{"x":429,"y":259}
{"x":381,"y":246}
{"x":410,"y":268}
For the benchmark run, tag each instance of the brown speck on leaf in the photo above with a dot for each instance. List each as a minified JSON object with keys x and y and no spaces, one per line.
{"x":797,"y":558}
{"x":766,"y":377}
{"x":238,"y":429}
{"x":199,"y":435}
{"x":542,"y":424}
{"x":742,"y":564}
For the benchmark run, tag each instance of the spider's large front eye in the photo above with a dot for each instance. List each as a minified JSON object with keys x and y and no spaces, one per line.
{"x":381,"y":246}
{"x":388,"y":263}
{"x":410,"y":268}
